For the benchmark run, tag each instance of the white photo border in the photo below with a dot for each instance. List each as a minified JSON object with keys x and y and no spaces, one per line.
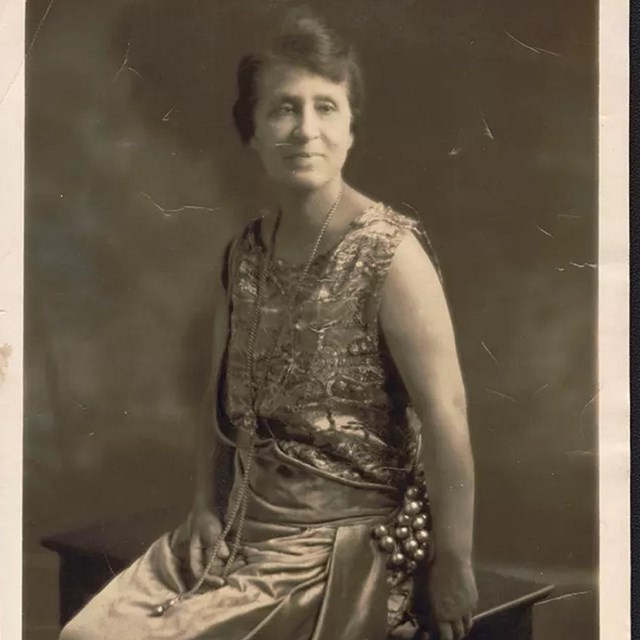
{"x":613,"y":314}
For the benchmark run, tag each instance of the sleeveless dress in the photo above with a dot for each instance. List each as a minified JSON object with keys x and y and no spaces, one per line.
{"x":337,"y":446}
{"x":333,"y":398}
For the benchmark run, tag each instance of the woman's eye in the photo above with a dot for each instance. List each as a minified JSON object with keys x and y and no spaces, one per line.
{"x":326,"y":107}
{"x":284,"y":109}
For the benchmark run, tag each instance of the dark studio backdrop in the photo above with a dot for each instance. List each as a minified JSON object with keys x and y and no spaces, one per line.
{"x":482,"y":119}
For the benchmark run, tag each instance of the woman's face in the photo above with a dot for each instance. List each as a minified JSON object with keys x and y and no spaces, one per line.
{"x":302,"y":126}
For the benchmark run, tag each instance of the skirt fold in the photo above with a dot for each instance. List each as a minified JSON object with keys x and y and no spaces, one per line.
{"x":310,"y":570}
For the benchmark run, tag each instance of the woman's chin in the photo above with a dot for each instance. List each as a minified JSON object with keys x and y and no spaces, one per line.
{"x":304,"y":180}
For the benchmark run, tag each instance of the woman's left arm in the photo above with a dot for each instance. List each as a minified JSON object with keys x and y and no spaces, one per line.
{"x":417,"y":327}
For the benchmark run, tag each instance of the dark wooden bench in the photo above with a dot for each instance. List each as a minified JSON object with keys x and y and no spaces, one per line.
{"x":89,"y":557}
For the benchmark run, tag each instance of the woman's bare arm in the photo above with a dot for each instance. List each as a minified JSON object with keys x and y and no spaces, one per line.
{"x":208,"y":451}
{"x":417,"y":326}
{"x":197,"y":536}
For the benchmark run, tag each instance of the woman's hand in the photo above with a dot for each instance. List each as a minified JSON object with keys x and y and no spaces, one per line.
{"x":453,"y":596}
{"x":195,"y":540}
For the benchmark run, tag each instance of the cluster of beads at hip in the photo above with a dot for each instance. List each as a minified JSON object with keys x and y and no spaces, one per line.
{"x":407,"y":539}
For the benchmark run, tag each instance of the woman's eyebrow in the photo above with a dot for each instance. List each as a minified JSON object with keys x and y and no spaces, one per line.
{"x":296,"y":99}
{"x":324,"y":97}
{"x":286,"y":97}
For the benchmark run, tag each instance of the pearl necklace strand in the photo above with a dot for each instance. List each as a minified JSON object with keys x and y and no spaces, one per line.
{"x":250,"y":419}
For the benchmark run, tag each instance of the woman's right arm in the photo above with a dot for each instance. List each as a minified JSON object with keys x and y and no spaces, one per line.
{"x":197,"y":536}
{"x":209,"y":454}
{"x":204,"y":524}
{"x":211,"y":458}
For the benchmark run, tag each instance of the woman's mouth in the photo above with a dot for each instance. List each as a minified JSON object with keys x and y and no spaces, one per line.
{"x":302,"y":155}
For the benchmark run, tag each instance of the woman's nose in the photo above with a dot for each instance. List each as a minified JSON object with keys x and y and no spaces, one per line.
{"x":308,"y":125}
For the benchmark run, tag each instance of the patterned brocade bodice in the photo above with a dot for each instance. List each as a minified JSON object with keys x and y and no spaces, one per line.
{"x":332,"y":397}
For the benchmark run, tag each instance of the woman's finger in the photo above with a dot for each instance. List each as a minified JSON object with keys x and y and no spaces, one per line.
{"x":209,"y":533}
{"x":196,"y":556}
{"x":221,"y":556}
{"x":467,"y":621}
{"x":214,"y":577}
{"x":179,"y":539}
{"x":445,"y":631}
{"x":201,"y":559}
{"x":223,"y":551}
{"x":213,"y":582}
{"x":457,"y":627}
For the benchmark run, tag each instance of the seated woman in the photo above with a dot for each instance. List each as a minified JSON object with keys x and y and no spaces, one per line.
{"x":336,"y":398}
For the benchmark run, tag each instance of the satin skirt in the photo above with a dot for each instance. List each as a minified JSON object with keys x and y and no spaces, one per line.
{"x":310,"y":569}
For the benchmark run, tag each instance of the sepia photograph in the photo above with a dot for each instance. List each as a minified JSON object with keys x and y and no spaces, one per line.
{"x":311,"y":313}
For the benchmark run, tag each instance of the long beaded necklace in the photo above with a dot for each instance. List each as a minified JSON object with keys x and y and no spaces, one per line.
{"x":250,"y":419}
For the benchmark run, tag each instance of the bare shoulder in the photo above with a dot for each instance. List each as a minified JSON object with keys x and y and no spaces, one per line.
{"x":414,"y":313}
{"x":411,"y":267}
{"x":412,"y":291}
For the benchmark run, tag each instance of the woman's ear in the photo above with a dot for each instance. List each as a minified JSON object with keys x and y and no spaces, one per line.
{"x":352,"y":133}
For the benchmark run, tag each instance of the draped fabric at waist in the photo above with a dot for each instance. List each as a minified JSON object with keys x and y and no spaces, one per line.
{"x":289,"y":491}
{"x":285,"y":491}
{"x":294,"y":505}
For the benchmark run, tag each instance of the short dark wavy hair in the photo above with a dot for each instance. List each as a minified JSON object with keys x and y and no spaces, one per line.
{"x":303,"y":40}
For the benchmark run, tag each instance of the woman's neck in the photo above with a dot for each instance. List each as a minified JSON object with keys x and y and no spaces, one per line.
{"x":303,"y":215}
{"x":305,"y":211}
